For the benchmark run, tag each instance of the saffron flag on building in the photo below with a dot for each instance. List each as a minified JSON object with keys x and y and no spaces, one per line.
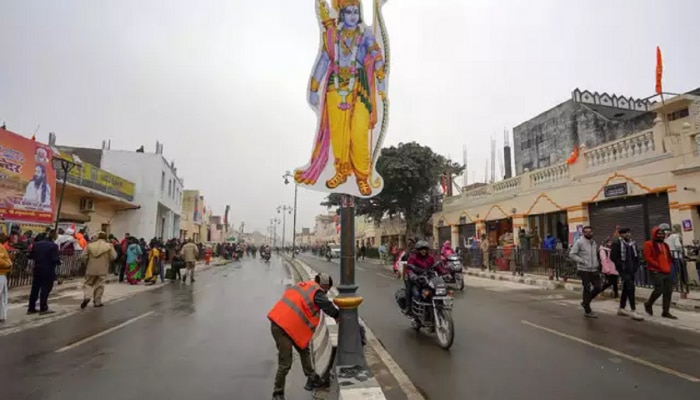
{"x":659,"y":70}
{"x":348,"y":92}
{"x":27,"y":180}
{"x":443,"y":183}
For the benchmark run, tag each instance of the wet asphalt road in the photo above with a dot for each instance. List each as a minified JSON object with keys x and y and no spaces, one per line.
{"x":497,"y":356}
{"x":210,"y":340}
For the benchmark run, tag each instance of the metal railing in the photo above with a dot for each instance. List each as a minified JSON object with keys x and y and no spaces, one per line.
{"x":557,"y":265}
{"x":22,"y":272}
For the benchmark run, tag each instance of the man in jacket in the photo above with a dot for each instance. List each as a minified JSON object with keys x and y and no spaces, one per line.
{"x":293,"y":320}
{"x":189,"y":253}
{"x":584,"y":253}
{"x":5,"y":268}
{"x":417,"y":265}
{"x":98,"y":256}
{"x":659,"y":263}
{"x":625,"y":256}
{"x":44,"y":252}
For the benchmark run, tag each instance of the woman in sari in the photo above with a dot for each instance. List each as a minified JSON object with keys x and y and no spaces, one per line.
{"x":153,"y":265}
{"x":133,"y":254}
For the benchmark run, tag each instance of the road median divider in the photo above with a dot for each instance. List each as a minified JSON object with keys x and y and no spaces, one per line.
{"x":324,"y":346}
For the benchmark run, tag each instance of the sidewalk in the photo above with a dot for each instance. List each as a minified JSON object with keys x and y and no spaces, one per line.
{"x":692,"y":303}
{"x":65,"y":300}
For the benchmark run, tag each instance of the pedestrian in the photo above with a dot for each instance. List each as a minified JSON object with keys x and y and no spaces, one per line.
{"x":625,"y":255}
{"x":189,"y":254}
{"x":133,"y":261}
{"x":123,"y":245}
{"x":484,"y":247}
{"x":363,"y":251}
{"x":607,"y":266}
{"x":293,"y":321}
{"x":152,"y":270}
{"x":584,"y":253}
{"x":5,"y":268}
{"x":659,"y":263}
{"x":97,"y":256}
{"x":44,"y":252}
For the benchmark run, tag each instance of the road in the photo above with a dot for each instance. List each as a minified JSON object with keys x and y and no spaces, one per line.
{"x":518,"y":342}
{"x":209,"y":340}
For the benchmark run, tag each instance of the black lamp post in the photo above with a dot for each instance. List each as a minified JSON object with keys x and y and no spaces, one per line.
{"x":63,"y":166}
{"x":286,"y":177}
{"x":284,"y":210}
{"x":273,"y":230}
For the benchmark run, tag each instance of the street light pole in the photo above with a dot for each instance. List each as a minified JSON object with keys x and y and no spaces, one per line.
{"x":284,"y":209}
{"x":286,"y":177}
{"x":65,"y":166}
{"x":350,"y":354}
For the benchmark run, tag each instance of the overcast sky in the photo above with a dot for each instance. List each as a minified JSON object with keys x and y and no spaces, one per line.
{"x":222,"y":82}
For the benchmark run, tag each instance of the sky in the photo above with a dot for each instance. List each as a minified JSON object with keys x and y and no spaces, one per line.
{"x":222,"y":83}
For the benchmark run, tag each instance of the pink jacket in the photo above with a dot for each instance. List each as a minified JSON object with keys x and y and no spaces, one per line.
{"x":608,"y":267}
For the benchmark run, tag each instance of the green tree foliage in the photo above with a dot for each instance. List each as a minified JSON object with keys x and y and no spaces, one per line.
{"x":412,"y":174}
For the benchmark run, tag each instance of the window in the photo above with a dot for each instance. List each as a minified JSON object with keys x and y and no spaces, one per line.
{"x":170,"y":188}
{"x":682,"y":113}
{"x":162,"y":181}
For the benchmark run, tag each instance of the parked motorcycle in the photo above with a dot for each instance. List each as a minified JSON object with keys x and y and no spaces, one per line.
{"x":432,"y":309}
{"x":456,"y":272}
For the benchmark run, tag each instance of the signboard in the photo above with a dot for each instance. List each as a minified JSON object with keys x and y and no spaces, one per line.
{"x":348,"y":92}
{"x":95,"y":178}
{"x":618,"y":189}
{"x":687,"y":225}
{"x":27,"y":179}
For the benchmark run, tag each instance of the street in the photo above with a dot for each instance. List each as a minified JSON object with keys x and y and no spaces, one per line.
{"x":208,"y":340}
{"x":513,"y":341}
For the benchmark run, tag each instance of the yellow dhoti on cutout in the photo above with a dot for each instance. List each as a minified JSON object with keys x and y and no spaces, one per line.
{"x":349,"y":134}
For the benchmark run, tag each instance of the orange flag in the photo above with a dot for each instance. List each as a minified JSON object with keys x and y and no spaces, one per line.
{"x":659,"y":70}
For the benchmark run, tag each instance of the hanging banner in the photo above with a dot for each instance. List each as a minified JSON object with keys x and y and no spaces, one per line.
{"x":348,"y":92}
{"x":27,"y":179}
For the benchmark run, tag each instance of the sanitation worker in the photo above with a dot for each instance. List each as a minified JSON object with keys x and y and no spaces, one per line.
{"x":293,"y":321}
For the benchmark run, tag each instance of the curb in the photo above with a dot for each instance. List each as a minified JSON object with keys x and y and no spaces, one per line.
{"x":684,"y":305}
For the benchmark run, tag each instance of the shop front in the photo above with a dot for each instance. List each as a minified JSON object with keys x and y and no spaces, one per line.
{"x":551,"y":223}
{"x":466,"y":231}
{"x":499,"y":231}
{"x":444,"y":233}
{"x":639,"y":213}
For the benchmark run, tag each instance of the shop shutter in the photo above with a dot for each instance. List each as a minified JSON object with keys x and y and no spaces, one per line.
{"x":606,"y":216}
{"x":657,"y":211}
{"x":444,"y":233}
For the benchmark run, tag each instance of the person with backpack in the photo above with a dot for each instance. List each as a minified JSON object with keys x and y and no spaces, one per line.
{"x":585,"y":254}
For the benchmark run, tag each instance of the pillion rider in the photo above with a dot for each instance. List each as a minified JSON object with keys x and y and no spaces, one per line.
{"x":293,"y":321}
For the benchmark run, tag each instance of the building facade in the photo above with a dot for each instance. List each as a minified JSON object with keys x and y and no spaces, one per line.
{"x":640,"y":180}
{"x":191,"y":219}
{"x":159,"y":191}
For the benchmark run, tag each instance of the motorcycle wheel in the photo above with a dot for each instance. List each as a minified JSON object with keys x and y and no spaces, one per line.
{"x":445,"y":329}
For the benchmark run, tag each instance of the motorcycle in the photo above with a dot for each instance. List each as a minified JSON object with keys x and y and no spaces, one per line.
{"x":265,"y":256}
{"x":456,"y":272}
{"x":432,"y":309}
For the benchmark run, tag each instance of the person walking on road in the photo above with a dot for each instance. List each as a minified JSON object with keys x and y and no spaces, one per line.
{"x":190,"y":253}
{"x":98,"y":256}
{"x":293,"y":321}
{"x":659,"y":263}
{"x":5,"y":268}
{"x":123,"y":265}
{"x":584,"y":252}
{"x":607,"y":266}
{"x":625,"y":256}
{"x":133,"y":255}
{"x":44,"y":252}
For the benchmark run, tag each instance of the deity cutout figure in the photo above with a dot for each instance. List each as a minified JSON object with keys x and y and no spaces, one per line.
{"x":348,"y":90}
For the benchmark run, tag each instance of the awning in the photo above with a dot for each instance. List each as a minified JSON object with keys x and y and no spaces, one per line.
{"x":73,"y":217}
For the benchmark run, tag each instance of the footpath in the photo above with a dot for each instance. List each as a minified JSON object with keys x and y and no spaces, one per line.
{"x":65,"y":300}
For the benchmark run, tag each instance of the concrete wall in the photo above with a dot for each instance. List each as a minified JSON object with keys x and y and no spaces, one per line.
{"x":550,"y":137}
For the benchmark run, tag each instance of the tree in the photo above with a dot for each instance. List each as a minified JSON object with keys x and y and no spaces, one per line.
{"x":412,"y":175}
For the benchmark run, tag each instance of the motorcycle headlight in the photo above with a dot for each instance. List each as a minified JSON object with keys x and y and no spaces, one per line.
{"x":426,"y":293}
{"x":440,"y":291}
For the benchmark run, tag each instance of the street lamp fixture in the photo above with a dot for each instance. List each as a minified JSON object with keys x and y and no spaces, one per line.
{"x":284,"y":210}
{"x":286,"y":177}
{"x":63,"y":166}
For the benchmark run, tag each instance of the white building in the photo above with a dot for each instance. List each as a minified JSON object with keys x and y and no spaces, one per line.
{"x":158,"y":190}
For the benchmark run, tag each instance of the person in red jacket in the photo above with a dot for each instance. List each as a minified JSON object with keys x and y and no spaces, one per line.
{"x":659,"y":263}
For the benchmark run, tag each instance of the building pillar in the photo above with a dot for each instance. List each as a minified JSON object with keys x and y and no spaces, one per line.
{"x":436,"y":237}
{"x":480,"y":228}
{"x":454,"y":238}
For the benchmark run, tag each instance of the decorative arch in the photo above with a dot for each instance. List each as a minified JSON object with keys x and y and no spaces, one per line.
{"x":498,"y":207}
{"x":546,"y":197}
{"x":630,"y":180}
{"x":465,"y":213}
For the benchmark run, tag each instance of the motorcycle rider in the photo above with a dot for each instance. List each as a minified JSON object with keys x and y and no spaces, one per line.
{"x":418,"y":264}
{"x":446,"y":249}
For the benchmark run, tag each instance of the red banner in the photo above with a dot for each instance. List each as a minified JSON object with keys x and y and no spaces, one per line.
{"x":27,"y":180}
{"x":659,"y":70}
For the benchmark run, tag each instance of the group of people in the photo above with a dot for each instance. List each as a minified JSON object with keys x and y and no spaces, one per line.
{"x":619,"y":259}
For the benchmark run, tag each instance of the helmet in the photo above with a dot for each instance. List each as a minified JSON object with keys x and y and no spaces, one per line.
{"x":422,"y":244}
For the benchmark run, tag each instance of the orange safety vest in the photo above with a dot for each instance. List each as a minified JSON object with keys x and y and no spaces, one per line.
{"x":296,"y":313}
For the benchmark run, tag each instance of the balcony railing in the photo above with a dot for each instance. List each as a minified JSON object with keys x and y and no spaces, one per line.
{"x":633,"y":147}
{"x":550,"y":174}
